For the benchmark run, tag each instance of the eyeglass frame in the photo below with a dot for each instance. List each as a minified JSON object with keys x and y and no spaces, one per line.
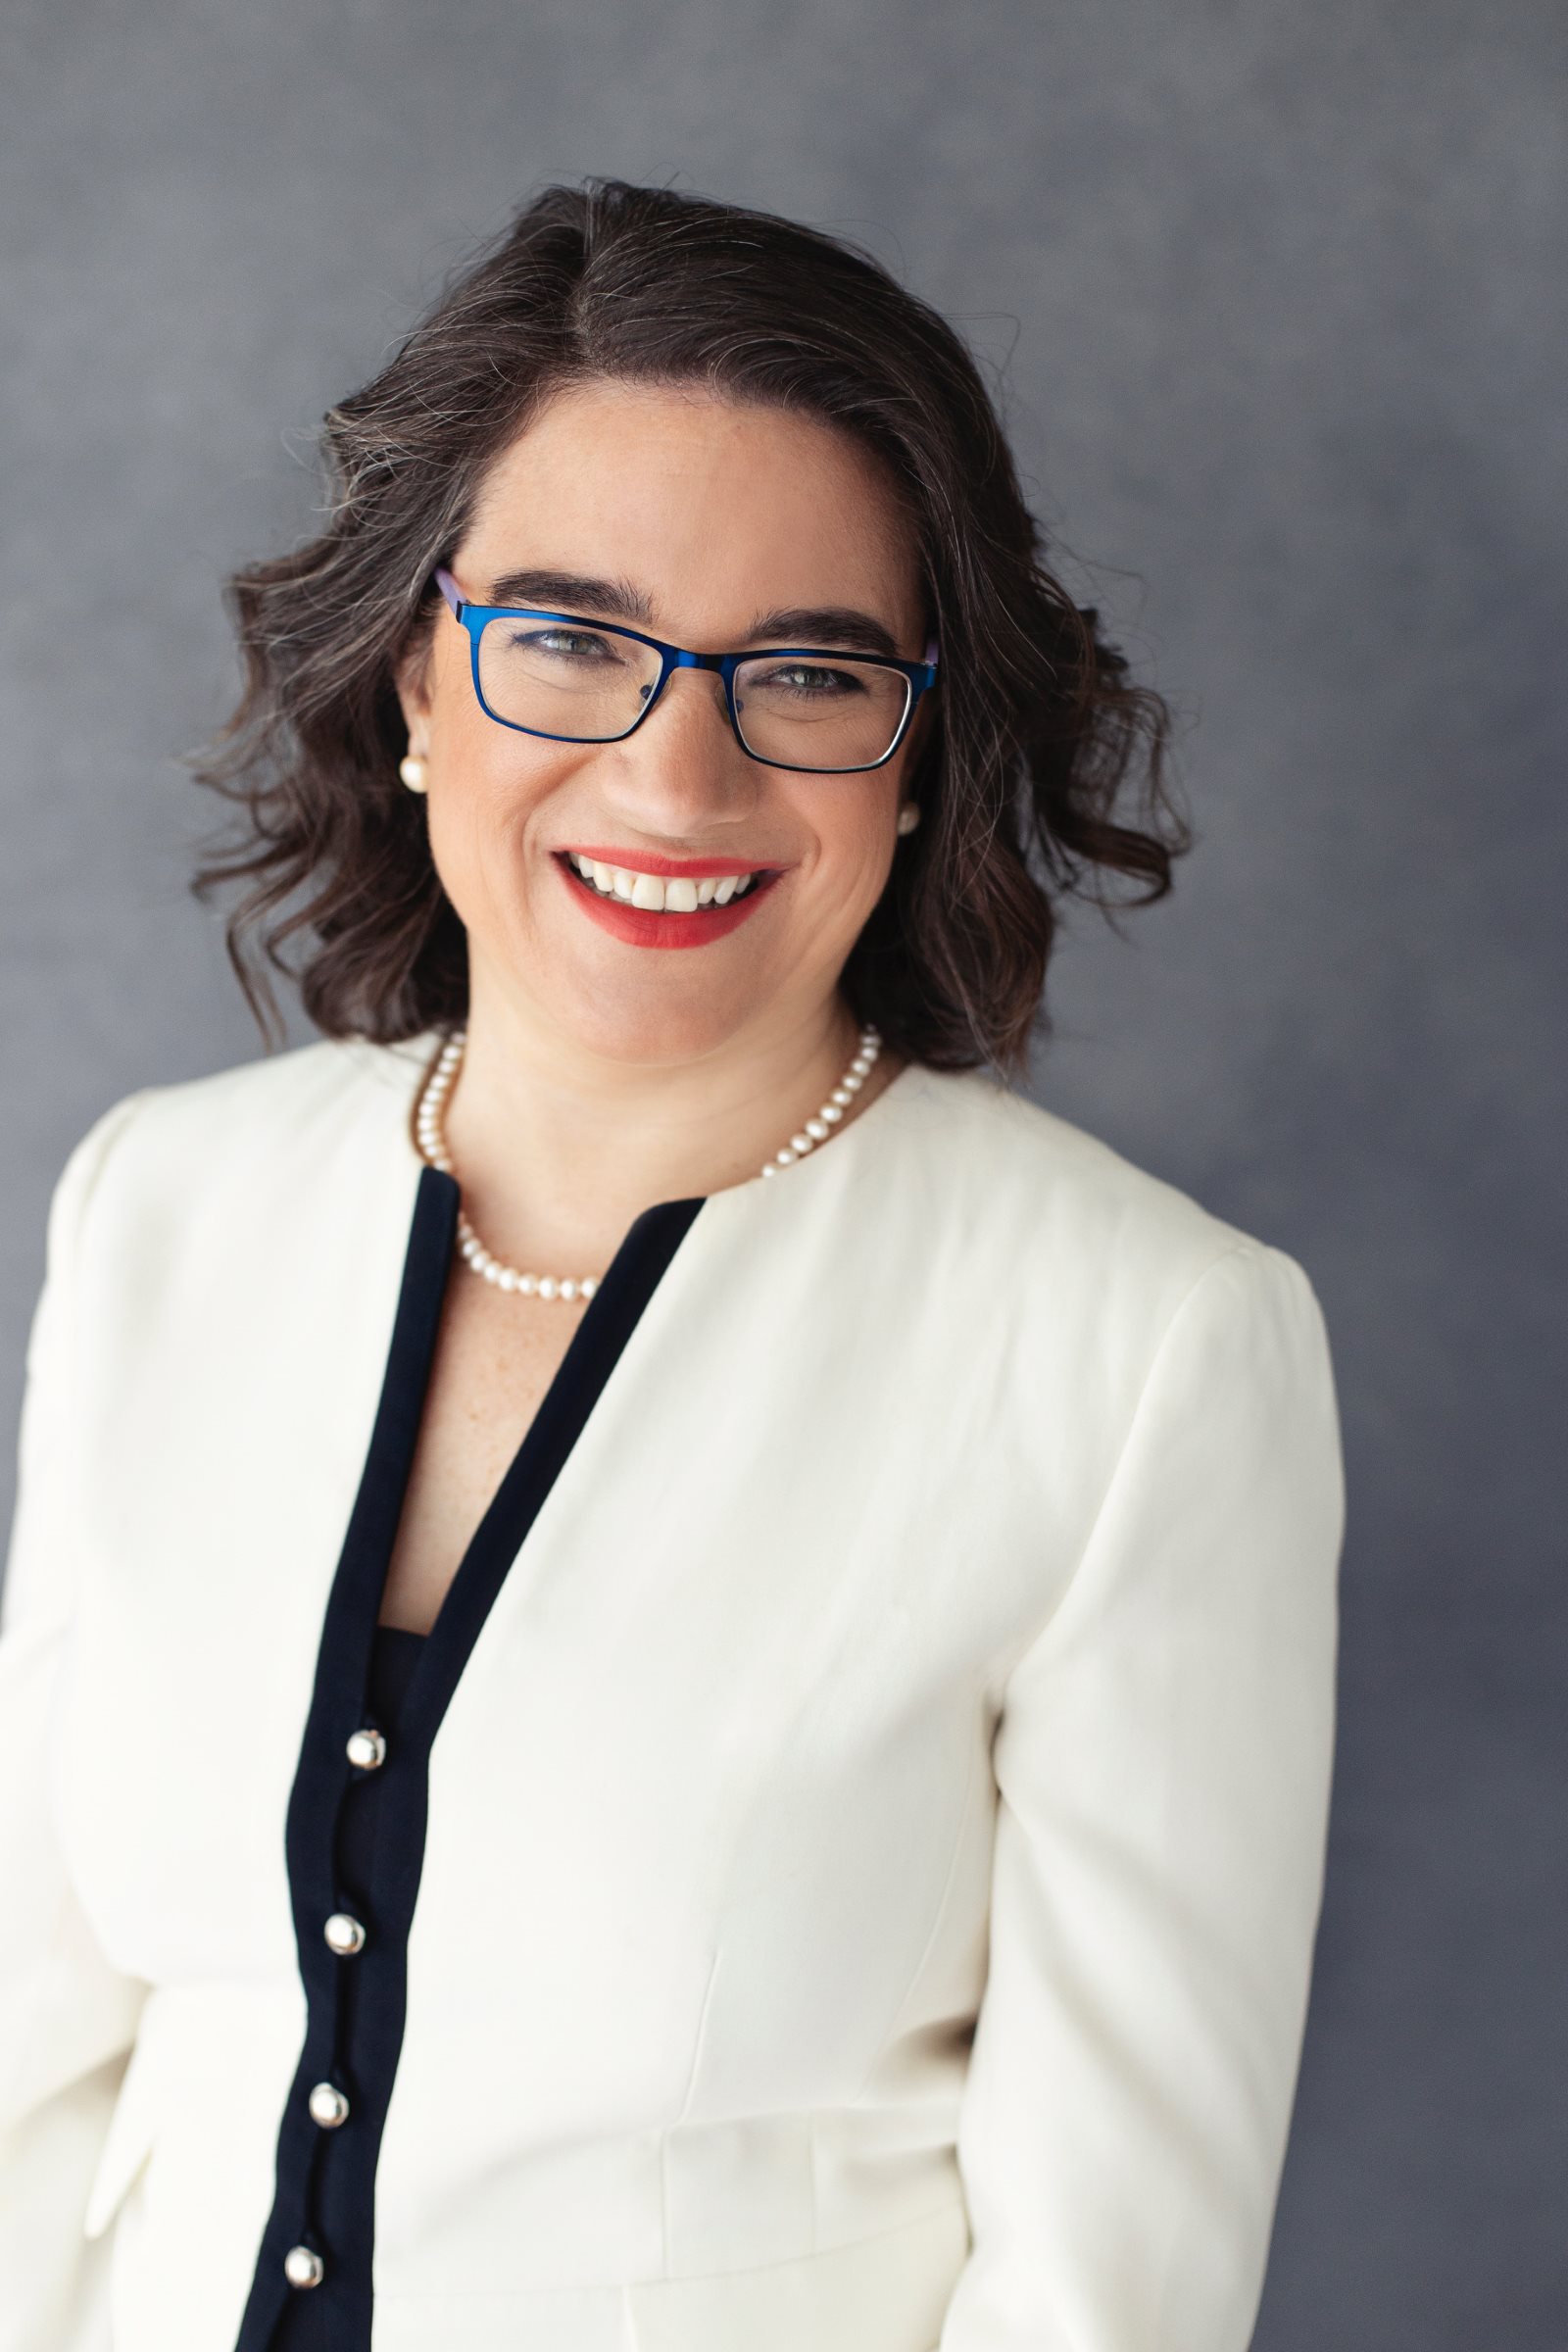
{"x":918,"y":676}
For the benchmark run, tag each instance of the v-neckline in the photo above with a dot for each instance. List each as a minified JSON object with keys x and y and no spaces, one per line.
{"x":591,"y":1356}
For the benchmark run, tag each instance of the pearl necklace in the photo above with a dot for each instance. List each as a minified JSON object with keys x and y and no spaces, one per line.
{"x":430,"y":1134}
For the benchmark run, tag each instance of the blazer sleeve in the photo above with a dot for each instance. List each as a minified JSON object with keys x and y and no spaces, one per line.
{"x":1163,"y":1758}
{"x":67,"y":2018}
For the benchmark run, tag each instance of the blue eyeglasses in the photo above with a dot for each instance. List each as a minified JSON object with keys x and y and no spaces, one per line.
{"x":574,"y":680}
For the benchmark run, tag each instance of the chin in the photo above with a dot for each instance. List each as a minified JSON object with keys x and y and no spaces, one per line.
{"x":644,"y":1027}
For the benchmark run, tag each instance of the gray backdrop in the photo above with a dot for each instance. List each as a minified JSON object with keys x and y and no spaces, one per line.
{"x":1280,"y":297}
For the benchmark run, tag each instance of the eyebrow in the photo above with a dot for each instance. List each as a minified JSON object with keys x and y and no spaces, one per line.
{"x":825,"y":625}
{"x":616,"y":599}
{"x":835,"y":627}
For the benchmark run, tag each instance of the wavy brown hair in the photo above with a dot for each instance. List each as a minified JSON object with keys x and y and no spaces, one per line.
{"x":1038,"y":729}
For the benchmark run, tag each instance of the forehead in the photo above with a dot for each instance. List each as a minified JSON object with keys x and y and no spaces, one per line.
{"x":716,"y":509}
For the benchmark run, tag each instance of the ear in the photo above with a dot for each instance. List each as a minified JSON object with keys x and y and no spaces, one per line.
{"x":410,"y":677}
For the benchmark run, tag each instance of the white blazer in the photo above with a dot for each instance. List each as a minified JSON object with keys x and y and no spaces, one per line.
{"x":850,"y":1879}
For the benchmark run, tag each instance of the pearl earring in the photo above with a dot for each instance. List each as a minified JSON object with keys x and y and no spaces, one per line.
{"x":412,"y":770}
{"x":908,"y":818}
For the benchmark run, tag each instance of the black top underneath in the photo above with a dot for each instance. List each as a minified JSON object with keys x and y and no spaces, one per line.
{"x":394,"y":1655}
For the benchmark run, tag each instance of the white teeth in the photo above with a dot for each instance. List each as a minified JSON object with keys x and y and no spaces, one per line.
{"x":682,"y":894}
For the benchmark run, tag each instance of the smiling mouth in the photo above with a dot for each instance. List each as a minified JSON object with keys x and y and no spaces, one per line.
{"x":665,"y":894}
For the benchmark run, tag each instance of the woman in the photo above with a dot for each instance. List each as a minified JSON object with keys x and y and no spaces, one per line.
{"x":668,"y":1660}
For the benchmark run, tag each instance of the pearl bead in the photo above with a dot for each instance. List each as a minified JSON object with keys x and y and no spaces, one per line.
{"x":429,"y":1135}
{"x":302,"y":2267}
{"x":344,"y":1934}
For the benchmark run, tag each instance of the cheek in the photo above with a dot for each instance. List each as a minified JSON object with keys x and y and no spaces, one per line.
{"x":484,"y":778}
{"x":484,"y":794}
{"x":853,"y":833}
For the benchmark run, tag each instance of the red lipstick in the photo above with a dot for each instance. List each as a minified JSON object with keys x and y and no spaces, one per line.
{"x":641,"y":927}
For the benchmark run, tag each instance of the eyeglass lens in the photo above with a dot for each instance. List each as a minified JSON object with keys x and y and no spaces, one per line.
{"x":590,"y":686}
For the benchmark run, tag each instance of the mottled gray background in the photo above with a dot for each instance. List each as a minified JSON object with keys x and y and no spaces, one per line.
{"x":1278,"y":297}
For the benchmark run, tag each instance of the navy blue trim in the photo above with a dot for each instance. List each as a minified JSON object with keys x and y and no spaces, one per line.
{"x":355,"y":2008}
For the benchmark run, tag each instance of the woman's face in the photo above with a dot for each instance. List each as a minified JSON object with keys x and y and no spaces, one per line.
{"x":697,"y":520}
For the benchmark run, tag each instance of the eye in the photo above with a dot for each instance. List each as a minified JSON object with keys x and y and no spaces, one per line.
{"x":808,"y":681}
{"x":555,"y":642}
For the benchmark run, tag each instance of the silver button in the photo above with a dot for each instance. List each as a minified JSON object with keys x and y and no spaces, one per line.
{"x":344,"y":1934}
{"x":328,"y":2106}
{"x":366,"y":1750}
{"x":303,"y":2268}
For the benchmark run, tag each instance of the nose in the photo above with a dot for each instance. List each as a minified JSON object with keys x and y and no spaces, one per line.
{"x":682,"y":770}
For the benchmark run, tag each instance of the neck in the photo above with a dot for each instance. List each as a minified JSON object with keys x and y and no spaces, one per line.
{"x":557,"y":1150}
